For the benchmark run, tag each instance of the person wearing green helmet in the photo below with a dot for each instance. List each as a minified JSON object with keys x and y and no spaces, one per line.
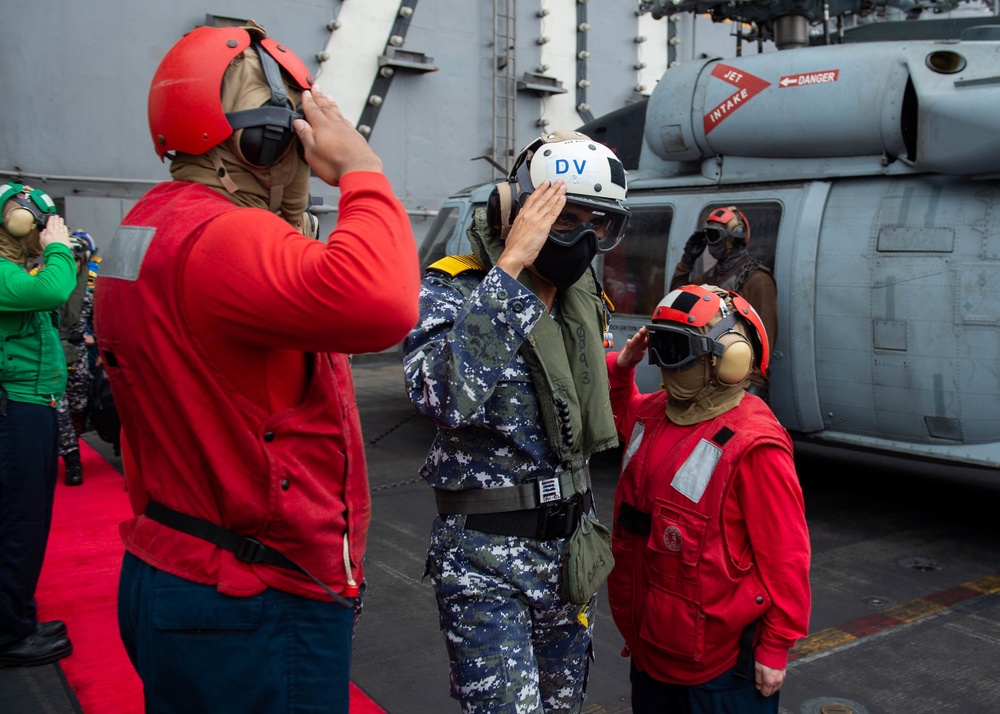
{"x":32,"y":380}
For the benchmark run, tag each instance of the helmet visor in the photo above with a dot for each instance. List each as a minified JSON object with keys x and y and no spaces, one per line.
{"x":577,"y":218}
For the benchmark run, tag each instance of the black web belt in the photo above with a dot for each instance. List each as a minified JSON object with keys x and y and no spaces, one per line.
{"x":554,"y":520}
{"x":246,"y":548}
{"x":534,"y":509}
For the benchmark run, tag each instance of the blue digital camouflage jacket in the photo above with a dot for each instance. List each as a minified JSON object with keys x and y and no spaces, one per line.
{"x":464,"y":373}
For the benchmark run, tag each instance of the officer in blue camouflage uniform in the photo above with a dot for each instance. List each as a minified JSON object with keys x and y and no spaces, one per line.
{"x":507,"y":359}
{"x":74,"y":317}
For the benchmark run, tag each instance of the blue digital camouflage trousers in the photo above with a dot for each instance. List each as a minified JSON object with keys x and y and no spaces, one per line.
{"x":514,"y":644}
{"x":73,"y":404}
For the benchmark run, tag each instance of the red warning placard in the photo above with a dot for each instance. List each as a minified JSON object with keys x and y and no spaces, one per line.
{"x":747,"y":87}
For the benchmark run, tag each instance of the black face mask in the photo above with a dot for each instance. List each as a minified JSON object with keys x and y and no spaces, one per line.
{"x":564,"y":265}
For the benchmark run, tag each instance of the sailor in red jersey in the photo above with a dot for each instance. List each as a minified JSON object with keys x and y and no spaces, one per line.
{"x":225,"y":333}
{"x":711,"y":581}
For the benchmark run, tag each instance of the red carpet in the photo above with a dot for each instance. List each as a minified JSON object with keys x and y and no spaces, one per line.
{"x":79,"y":584}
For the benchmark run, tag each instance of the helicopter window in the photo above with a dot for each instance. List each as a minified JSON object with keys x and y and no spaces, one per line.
{"x":764,"y":220}
{"x":435,"y":245}
{"x":634,"y":273}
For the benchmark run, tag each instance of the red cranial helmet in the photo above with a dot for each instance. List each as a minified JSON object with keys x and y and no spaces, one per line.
{"x":185,"y":106}
{"x":728,"y":222}
{"x":680,"y":333}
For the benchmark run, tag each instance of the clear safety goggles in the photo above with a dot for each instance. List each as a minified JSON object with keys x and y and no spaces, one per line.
{"x":675,"y":347}
{"x":578,"y":219}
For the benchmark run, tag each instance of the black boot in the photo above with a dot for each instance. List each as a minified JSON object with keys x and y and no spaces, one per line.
{"x":35,"y":649}
{"x":74,"y":469}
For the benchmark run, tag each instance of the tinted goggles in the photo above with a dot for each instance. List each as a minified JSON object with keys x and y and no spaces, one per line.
{"x":713,"y":235}
{"x":674,"y":347}
{"x":577,"y":219}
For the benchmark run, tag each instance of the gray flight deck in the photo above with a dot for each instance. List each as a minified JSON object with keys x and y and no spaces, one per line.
{"x":903,"y":565}
{"x":905,"y":580}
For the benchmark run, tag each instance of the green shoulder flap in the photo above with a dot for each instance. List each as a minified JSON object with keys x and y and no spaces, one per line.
{"x":455,"y":264}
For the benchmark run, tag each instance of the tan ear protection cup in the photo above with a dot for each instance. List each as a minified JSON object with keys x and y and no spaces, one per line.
{"x":737,"y":359}
{"x":18,"y":221}
{"x":501,"y":208}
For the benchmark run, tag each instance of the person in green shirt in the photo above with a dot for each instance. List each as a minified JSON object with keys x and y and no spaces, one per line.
{"x":32,"y":380}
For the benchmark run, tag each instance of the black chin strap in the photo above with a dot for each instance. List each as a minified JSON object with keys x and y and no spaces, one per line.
{"x":279,"y":98}
{"x":274,"y":119}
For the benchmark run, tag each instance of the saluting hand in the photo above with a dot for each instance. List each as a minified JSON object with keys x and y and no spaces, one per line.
{"x":55,"y":231}
{"x":332,"y":145}
{"x":634,"y":349}
{"x":531,"y":227}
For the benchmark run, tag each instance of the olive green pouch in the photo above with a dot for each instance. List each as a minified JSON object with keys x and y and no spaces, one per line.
{"x":587,"y":560}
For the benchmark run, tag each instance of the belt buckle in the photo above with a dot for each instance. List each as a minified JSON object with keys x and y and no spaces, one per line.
{"x":250,"y":550}
{"x":556,"y":520}
{"x":549,"y":490}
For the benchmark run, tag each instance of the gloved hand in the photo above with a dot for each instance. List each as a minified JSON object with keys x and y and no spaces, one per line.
{"x":694,"y":247}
